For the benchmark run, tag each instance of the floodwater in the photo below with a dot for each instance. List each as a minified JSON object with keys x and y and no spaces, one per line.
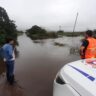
{"x":38,"y":64}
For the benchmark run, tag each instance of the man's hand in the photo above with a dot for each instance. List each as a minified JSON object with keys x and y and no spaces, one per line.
{"x":82,"y":52}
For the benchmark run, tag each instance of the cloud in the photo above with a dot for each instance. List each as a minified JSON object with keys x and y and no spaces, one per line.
{"x":46,"y":13}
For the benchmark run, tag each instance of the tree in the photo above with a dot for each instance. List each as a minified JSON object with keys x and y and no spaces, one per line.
{"x":36,"y":30}
{"x":7,"y":26}
{"x":60,"y":32}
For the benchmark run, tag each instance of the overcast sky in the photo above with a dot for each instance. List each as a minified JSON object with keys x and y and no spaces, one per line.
{"x":51,"y":14}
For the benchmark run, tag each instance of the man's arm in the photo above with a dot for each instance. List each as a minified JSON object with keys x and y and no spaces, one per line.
{"x":10,"y":52}
{"x":83,"y":48}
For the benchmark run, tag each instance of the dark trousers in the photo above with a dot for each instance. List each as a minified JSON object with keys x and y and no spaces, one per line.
{"x":10,"y":71}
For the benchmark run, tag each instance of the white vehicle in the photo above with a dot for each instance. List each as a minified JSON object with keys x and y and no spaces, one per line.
{"x":76,"y":79}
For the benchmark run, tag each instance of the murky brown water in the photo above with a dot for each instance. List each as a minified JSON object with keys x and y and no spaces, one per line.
{"x":37,"y":65}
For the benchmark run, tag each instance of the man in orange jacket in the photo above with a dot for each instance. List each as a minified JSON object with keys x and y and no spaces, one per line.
{"x":88,"y":47}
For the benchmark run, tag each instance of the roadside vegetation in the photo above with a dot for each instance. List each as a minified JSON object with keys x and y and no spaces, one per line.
{"x":20,"y":33}
{"x":37,"y":32}
{"x":7,"y":30}
{"x":7,"y":27}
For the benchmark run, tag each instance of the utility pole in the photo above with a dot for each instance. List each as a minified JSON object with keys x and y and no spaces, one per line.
{"x":73,"y":48}
{"x":75,"y":22}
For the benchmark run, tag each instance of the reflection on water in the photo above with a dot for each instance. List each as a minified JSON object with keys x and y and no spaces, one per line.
{"x":73,"y":43}
{"x":74,"y":50}
{"x":59,"y":44}
{"x":16,"y":53}
{"x":39,"y":41}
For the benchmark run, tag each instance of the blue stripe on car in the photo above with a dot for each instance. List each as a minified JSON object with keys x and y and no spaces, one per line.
{"x":83,"y":73}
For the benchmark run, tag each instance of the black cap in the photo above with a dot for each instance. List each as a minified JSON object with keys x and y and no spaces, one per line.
{"x":89,"y":32}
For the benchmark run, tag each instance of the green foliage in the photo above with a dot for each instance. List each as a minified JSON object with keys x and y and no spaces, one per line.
{"x":7,"y":26}
{"x":37,"y":32}
{"x":70,"y":34}
{"x":20,"y":33}
{"x":60,"y":32}
{"x":52,"y":35}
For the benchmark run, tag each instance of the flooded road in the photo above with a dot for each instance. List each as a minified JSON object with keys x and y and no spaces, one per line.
{"x":38,"y":64}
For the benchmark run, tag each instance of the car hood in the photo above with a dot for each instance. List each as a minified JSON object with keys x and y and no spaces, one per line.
{"x":81,"y":75}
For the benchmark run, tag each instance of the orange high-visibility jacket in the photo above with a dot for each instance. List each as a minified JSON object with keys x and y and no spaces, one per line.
{"x":91,"y":48}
